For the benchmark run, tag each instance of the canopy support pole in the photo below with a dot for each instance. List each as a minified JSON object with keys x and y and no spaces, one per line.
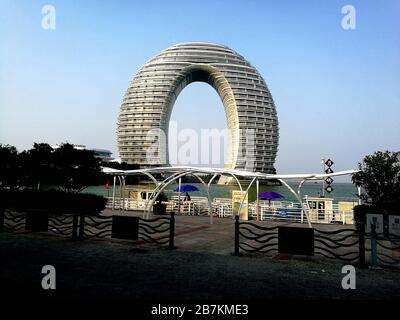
{"x":298,"y":199}
{"x":299,"y":194}
{"x":161,"y":187}
{"x":244,"y":197}
{"x":179,"y":195}
{"x":120,"y":192}
{"x":113,"y":196}
{"x":125,"y":201}
{"x":257,"y":201}
{"x":208,"y":196}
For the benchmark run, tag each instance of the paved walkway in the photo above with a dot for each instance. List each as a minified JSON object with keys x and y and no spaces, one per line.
{"x":196,"y":234}
{"x":117,"y":270}
{"x":201,"y":269}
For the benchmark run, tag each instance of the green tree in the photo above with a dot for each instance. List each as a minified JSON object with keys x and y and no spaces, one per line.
{"x":379,"y":176}
{"x":41,"y":164}
{"x":9,"y":171}
{"x":23,"y":170}
{"x":76,"y":169}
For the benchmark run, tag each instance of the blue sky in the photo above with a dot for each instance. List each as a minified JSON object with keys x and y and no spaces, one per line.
{"x":336,"y":91}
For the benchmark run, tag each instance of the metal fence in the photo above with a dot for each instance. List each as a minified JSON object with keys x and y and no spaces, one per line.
{"x":340,"y":244}
{"x":62,"y":225}
{"x":251,"y":237}
{"x":160,"y":230}
{"x":384,"y":249}
{"x":346,"y":244}
{"x":12,"y":221}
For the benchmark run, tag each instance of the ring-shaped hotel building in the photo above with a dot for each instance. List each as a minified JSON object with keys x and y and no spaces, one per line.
{"x":248,"y":104}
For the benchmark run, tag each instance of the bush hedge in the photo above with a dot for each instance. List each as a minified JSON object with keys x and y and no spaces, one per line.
{"x":52,"y":201}
{"x":360,"y":213}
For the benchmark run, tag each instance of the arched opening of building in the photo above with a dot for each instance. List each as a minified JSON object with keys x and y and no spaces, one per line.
{"x":195,"y":138}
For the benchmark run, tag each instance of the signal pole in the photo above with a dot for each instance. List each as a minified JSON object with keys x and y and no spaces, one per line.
{"x":323,"y":181}
{"x":327,"y":181}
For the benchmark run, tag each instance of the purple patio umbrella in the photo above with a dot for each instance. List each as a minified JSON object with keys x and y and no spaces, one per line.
{"x":186,"y":188}
{"x":269,"y":195}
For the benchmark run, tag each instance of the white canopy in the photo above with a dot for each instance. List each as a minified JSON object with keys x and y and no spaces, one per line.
{"x":238,"y":173}
{"x":179,"y":171}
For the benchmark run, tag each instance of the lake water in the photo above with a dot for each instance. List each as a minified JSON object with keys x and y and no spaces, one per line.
{"x":341,"y":192}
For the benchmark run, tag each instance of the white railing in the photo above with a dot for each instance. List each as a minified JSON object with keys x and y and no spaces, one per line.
{"x":125,"y":204}
{"x":294,"y":214}
{"x":194,"y":206}
{"x":222,"y":207}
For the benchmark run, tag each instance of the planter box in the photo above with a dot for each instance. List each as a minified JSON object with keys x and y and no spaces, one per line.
{"x":293,"y":240}
{"x":37,"y":221}
{"x":124,"y":227}
{"x":160,"y":208}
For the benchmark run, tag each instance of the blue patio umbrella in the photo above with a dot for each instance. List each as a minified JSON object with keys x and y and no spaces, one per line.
{"x":269,"y":195}
{"x":186,"y":188}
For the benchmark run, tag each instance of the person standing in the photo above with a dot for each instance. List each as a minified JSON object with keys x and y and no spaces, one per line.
{"x":187,"y":197}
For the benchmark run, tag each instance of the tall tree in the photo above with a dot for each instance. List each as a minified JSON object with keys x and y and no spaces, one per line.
{"x":8,"y":167}
{"x":379,"y":175}
{"x":76,"y":169}
{"x":41,"y":164}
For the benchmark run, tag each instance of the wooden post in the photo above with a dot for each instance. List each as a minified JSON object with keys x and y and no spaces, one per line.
{"x":172,"y":231}
{"x":236,"y":235}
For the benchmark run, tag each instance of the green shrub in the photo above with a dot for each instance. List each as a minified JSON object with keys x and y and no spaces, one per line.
{"x":379,"y":175}
{"x":53,"y":201}
{"x":360,"y":213}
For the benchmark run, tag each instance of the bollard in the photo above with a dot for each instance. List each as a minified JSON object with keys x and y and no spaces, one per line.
{"x":1,"y":219}
{"x":81,"y":226}
{"x":374,"y":256}
{"x":236,"y":235}
{"x":75,"y":226}
{"x":361,"y":244}
{"x":172,"y":231}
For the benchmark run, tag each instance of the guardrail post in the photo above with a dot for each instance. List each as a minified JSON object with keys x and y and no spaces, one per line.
{"x":172,"y":231}
{"x":236,"y":235}
{"x":374,"y":256}
{"x":361,"y":244}
{"x":81,"y":226}
{"x":75,"y":226}
{"x":1,"y":219}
